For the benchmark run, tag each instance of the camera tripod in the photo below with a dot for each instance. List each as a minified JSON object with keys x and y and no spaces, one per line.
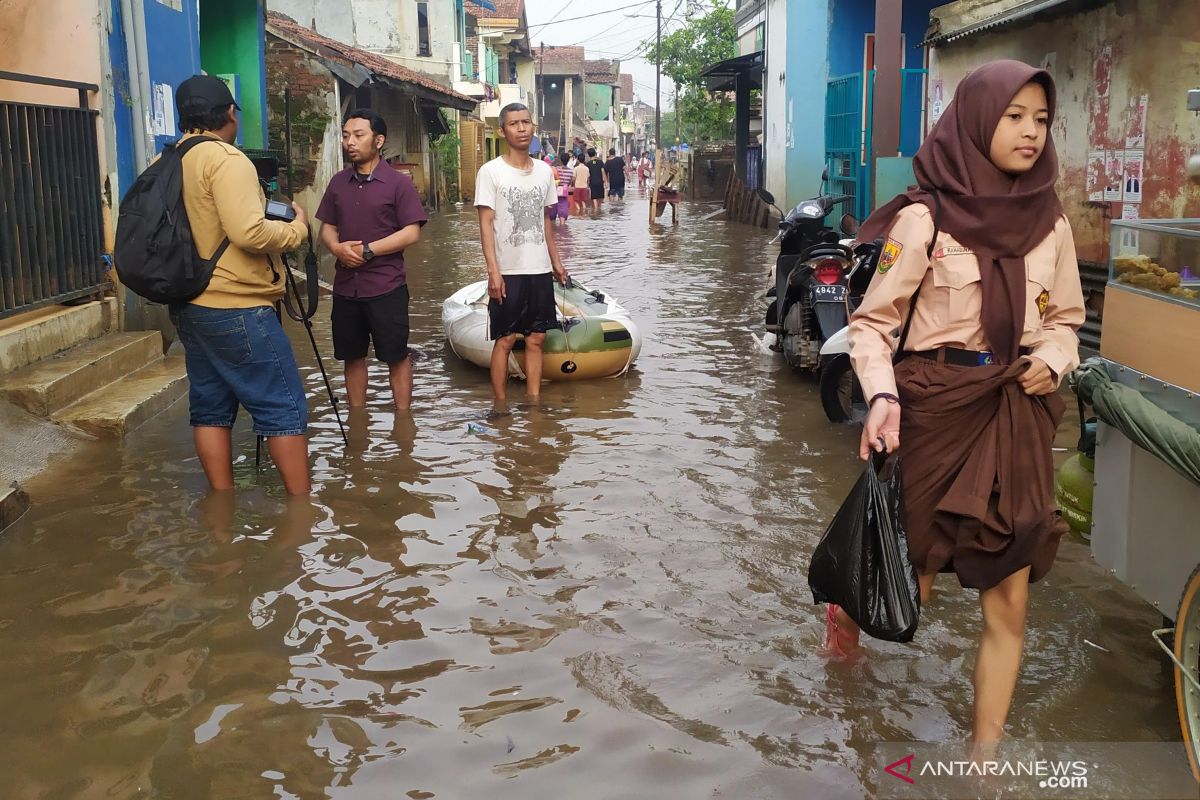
{"x":303,"y":313}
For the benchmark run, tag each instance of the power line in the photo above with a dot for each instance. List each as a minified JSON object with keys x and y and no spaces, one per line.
{"x":589,"y":16}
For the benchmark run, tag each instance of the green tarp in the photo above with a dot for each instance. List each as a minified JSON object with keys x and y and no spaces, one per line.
{"x":1145,"y":424}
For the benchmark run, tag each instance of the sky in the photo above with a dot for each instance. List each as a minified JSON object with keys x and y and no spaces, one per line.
{"x":612,"y":30}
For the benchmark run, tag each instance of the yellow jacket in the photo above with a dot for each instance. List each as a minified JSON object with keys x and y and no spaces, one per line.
{"x":224,"y":199}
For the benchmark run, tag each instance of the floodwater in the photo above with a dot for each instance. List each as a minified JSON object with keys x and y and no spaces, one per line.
{"x":603,"y":597}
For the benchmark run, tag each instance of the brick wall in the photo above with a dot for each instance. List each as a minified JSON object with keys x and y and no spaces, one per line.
{"x":313,"y":108}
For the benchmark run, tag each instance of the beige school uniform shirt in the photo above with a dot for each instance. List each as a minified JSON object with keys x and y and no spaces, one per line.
{"x":949,"y":310}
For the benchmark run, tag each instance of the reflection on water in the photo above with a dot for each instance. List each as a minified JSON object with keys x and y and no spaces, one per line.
{"x":602,"y":597}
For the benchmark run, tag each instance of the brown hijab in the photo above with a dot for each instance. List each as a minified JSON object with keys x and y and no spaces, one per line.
{"x":999,"y":216}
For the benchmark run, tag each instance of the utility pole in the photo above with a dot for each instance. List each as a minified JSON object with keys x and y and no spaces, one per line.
{"x":658,"y":79}
{"x":541,"y":82}
{"x":675,"y":104}
{"x":657,"y":108}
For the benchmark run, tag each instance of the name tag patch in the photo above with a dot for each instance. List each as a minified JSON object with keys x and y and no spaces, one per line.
{"x":890,"y":255}
{"x":955,"y":250}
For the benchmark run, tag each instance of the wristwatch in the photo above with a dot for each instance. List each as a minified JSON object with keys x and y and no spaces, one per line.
{"x":367,"y":254}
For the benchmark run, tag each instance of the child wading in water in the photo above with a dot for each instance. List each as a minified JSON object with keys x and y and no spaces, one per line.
{"x":976,"y":389}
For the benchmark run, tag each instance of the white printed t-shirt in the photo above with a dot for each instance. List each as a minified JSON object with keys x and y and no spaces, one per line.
{"x":519,"y":199}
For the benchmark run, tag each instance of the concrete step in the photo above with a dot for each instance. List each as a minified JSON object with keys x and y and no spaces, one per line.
{"x":118,"y":408}
{"x":52,"y":383}
{"x":35,"y":335}
{"x":13,"y":505}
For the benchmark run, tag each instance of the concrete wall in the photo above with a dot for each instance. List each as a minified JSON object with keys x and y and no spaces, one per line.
{"x":388,"y":27}
{"x":776,"y":131}
{"x":64,"y":44}
{"x":599,"y":100}
{"x":231,"y":42}
{"x":1104,"y":62}
{"x":804,"y":96}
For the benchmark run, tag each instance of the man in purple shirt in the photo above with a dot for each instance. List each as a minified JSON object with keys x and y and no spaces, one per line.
{"x":370,"y":214}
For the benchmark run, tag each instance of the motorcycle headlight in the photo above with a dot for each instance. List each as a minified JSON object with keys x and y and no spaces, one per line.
{"x":812,"y":210}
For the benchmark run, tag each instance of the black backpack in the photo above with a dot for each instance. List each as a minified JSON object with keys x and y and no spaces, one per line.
{"x":155,"y":255}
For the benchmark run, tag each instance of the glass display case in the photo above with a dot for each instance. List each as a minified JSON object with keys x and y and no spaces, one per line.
{"x":1151,"y":317}
{"x":1159,"y":257}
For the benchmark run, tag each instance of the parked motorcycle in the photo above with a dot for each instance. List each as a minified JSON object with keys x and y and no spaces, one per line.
{"x":841,"y":394}
{"x":811,"y":299}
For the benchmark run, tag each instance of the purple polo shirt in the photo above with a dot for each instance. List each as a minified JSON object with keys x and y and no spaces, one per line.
{"x":368,"y":208}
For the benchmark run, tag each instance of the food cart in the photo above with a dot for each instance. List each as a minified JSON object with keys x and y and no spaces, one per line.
{"x":1145,"y":389}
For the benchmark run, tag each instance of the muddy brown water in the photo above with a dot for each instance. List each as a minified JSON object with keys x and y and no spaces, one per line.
{"x":604,"y":597}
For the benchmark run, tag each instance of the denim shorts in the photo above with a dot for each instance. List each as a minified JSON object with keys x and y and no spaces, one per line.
{"x":241,"y":356}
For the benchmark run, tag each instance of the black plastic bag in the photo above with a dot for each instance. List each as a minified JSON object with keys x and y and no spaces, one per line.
{"x":861,"y":563}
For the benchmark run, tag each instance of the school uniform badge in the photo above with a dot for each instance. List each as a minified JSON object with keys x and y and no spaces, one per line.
{"x":1043,"y":302}
{"x":890,"y":255}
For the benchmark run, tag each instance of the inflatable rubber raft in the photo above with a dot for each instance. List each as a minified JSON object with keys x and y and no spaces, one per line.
{"x":596,"y":337}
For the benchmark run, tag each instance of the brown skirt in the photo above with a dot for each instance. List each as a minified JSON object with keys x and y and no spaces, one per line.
{"x":978,"y":471}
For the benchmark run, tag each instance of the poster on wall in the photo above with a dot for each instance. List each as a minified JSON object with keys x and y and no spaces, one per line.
{"x":1131,"y":211}
{"x":936,"y":101}
{"x":1136,"y":138}
{"x":1095,"y":175}
{"x":163,"y":103}
{"x":1114,"y":175}
{"x":1134,"y":164}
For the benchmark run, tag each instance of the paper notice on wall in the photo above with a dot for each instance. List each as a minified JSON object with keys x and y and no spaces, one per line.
{"x":163,"y":102}
{"x":1131,"y":211}
{"x":1114,"y":175}
{"x":1049,"y":63}
{"x":1136,"y":138}
{"x":1095,"y":175}
{"x":1102,"y":72}
{"x":1134,"y":164}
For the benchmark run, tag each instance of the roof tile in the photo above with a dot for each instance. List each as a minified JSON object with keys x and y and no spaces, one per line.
{"x":283,"y":25}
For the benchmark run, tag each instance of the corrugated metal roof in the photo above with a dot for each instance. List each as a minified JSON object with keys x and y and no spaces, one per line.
{"x":998,"y":20}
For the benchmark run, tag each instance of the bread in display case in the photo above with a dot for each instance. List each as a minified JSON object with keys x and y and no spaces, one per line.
{"x":1161,"y":257}
{"x":1151,"y":319}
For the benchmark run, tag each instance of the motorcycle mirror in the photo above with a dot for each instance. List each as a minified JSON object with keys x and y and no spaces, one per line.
{"x":765,"y":196}
{"x":849,"y":224}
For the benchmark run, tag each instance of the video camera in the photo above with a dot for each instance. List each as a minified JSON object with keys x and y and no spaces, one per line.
{"x":266,"y":164}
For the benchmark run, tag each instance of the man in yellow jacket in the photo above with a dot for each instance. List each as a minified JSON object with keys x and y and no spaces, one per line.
{"x":236,"y":351}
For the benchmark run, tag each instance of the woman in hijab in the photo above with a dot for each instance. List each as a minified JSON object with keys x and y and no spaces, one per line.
{"x":979,"y":271}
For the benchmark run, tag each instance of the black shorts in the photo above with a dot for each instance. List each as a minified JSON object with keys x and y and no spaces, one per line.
{"x":597,"y":191}
{"x":528,"y":306}
{"x":383,"y":319}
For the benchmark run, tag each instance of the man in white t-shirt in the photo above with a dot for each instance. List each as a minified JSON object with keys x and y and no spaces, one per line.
{"x":514,"y":194}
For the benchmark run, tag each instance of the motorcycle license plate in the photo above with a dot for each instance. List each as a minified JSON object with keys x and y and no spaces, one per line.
{"x":832,"y":294}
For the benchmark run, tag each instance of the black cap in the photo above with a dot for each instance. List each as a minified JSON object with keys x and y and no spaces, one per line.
{"x":208,"y":88}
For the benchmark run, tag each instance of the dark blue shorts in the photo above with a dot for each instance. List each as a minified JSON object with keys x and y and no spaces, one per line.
{"x":241,"y":356}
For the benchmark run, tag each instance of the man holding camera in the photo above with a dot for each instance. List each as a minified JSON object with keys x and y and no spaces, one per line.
{"x":235,"y":349}
{"x":370,"y":214}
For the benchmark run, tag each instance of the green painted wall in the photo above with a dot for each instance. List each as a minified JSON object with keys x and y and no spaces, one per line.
{"x":598,"y":100}
{"x":231,"y":41}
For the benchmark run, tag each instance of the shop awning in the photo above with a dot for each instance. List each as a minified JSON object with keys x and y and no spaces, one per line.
{"x":1023,"y":11}
{"x":483,"y":4}
{"x":722,"y":76}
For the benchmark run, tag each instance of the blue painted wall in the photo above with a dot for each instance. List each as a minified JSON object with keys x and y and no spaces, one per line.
{"x":173,"y":48}
{"x":849,"y":23}
{"x":122,"y":122}
{"x":807,"y":73}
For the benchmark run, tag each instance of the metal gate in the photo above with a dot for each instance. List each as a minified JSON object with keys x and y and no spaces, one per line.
{"x":846,"y":140}
{"x":51,"y":223}
{"x":848,"y":124}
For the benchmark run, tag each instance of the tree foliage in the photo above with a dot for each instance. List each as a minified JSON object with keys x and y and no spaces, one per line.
{"x":686,"y":53}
